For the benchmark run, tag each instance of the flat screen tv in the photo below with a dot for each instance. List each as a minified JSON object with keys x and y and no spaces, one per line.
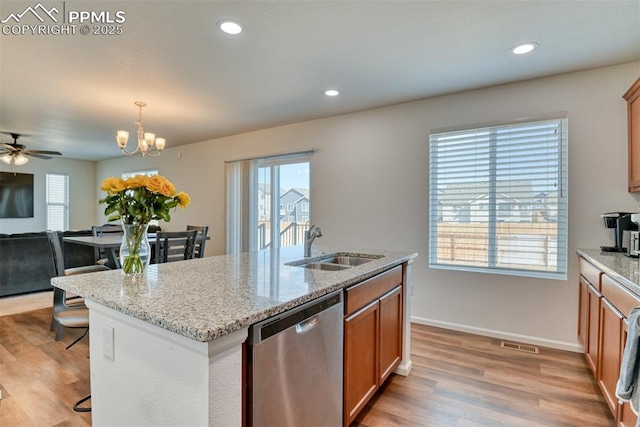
{"x":16,"y":195}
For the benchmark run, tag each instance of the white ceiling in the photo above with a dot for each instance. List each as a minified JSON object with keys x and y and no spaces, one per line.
{"x":71,"y":93}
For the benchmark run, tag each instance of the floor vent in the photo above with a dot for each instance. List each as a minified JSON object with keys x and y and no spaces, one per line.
{"x":520,"y":347}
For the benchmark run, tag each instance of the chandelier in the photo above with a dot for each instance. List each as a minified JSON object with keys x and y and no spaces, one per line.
{"x":146,"y":140}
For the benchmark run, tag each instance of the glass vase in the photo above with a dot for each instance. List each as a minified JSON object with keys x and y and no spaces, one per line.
{"x":135,"y":252}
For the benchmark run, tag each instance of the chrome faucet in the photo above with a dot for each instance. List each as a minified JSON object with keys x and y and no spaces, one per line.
{"x":309,"y":236}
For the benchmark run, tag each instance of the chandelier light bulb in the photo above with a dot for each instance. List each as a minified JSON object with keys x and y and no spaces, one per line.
{"x":160,"y":144}
{"x":122,"y":137}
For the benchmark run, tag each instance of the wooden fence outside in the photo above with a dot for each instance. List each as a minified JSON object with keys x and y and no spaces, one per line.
{"x":519,"y":245}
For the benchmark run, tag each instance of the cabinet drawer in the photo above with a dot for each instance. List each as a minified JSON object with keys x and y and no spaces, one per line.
{"x":364,"y":292}
{"x":621,"y":298}
{"x":591,"y":273}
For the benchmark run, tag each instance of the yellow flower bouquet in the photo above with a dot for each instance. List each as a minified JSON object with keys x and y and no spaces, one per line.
{"x":136,"y":201}
{"x":140,"y":199}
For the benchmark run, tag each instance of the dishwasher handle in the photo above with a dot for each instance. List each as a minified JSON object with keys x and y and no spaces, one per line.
{"x":307,"y":325}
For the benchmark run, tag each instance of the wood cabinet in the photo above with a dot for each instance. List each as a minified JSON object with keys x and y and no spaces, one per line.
{"x":589,"y":311}
{"x":626,"y":416}
{"x":583,"y":313}
{"x":390,"y":333}
{"x":592,"y":347}
{"x":610,"y":357}
{"x":632,"y":96}
{"x":372,"y":337}
{"x":602,"y":330}
{"x":361,"y":335}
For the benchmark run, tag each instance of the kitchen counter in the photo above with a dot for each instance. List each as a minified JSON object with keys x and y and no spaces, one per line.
{"x":617,"y":265}
{"x":206,"y":298}
{"x":167,"y":348}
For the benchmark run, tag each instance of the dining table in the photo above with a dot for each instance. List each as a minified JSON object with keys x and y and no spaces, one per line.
{"x":110,"y":243}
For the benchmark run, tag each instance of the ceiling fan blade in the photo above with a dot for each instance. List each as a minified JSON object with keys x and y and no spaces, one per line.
{"x":10,"y":147}
{"x":39,"y":156}
{"x":52,"y":153}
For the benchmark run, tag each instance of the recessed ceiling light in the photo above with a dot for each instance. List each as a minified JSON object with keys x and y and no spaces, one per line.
{"x":230,"y":27}
{"x":331,"y":92}
{"x":524,"y":48}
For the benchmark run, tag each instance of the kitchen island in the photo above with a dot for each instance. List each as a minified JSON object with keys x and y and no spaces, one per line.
{"x":166,"y":348}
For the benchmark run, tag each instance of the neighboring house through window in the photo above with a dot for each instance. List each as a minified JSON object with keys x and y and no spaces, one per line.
{"x":498,"y":199}
{"x":284,"y":182}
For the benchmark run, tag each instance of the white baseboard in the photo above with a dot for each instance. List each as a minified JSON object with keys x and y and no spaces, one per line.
{"x":404,"y":368}
{"x":527,"y":339}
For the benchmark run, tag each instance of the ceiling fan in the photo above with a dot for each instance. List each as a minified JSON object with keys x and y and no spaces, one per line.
{"x":18,"y":153}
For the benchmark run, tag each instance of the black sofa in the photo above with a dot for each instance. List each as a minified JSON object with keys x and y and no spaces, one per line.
{"x":26,"y":263}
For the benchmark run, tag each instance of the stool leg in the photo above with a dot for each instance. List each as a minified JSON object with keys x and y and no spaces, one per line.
{"x":78,"y":339}
{"x":77,"y":408}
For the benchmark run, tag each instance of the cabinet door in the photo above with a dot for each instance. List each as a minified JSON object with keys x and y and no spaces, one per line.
{"x":361,"y":359}
{"x":583,"y":312}
{"x":610,"y":356}
{"x":593,"y":326}
{"x":626,"y":417}
{"x":390,"y":332}
{"x":633,"y":98}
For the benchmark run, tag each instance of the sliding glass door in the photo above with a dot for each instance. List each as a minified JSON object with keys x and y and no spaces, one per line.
{"x":283,"y":202}
{"x":268,"y":202}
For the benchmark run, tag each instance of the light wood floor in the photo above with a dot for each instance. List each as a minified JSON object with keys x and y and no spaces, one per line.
{"x":21,"y":303}
{"x":457,"y":380}
{"x":460,"y":379}
{"x":40,"y":380}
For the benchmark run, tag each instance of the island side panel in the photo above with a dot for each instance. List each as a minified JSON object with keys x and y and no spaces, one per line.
{"x":404,"y":368}
{"x":158,"y":377}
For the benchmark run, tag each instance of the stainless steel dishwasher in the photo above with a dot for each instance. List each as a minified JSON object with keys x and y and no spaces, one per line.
{"x":296,"y":362}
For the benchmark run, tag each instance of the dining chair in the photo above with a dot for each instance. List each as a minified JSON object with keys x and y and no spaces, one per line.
{"x":68,"y":312}
{"x":175,"y":245}
{"x":102,"y":257}
{"x":201,"y":238}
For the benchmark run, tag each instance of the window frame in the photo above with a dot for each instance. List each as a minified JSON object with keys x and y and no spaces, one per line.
{"x":471,"y":174}
{"x":64,"y":204}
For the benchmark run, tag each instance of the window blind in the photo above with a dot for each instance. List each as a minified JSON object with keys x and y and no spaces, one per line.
{"x":57,"y":202}
{"x":151,"y":172}
{"x":498,"y":199}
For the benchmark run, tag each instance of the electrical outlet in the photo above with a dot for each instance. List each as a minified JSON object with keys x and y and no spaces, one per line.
{"x":107,"y":342}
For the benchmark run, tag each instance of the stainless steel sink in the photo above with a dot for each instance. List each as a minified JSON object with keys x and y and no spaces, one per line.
{"x":334,"y":262}
{"x":325,"y":266}
{"x":347,"y":260}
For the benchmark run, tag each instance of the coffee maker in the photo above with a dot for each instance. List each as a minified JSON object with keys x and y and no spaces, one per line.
{"x":620,"y":222}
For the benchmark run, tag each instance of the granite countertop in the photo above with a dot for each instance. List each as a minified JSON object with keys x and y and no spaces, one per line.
{"x":206,"y":298}
{"x":617,"y":265}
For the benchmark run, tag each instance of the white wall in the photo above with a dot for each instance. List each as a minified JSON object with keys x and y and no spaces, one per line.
{"x":369,"y":189}
{"x":82,"y":202}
